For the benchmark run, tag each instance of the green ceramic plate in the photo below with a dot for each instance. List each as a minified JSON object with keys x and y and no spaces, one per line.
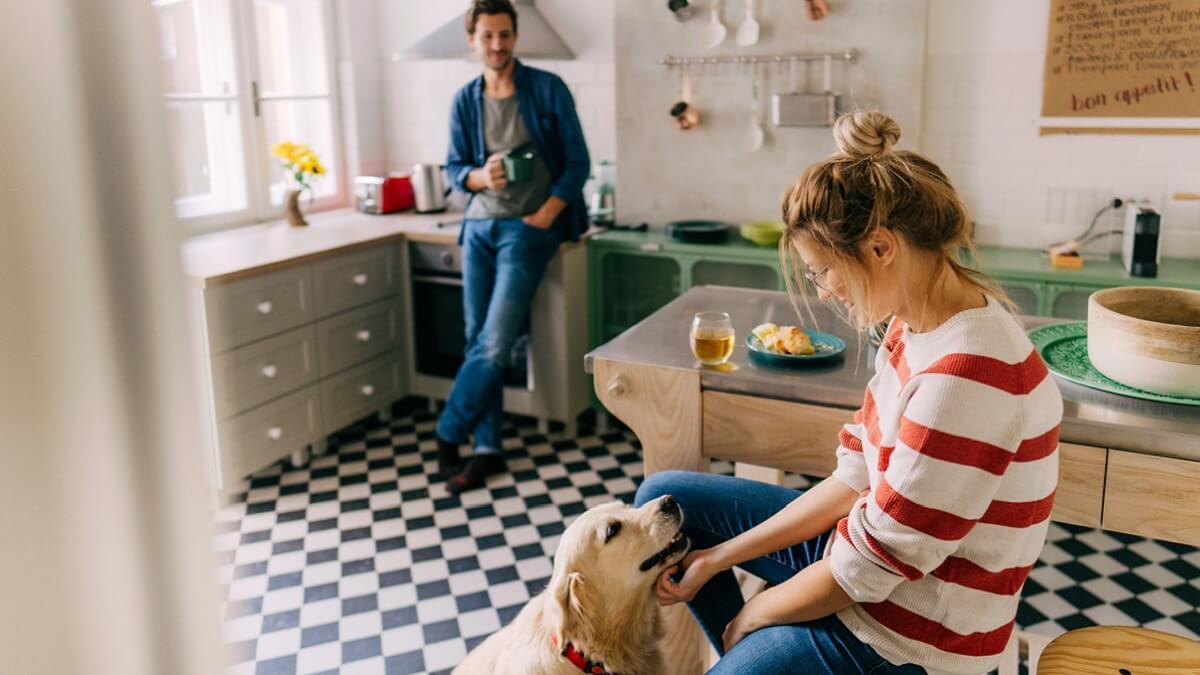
{"x":827,"y":346}
{"x":1063,"y":347}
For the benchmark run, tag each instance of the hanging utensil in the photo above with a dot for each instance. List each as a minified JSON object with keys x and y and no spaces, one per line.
{"x":747,"y":33}
{"x":794,"y":109}
{"x":714,"y":32}
{"x":686,"y":115}
{"x":757,"y":136}
{"x":681,"y":10}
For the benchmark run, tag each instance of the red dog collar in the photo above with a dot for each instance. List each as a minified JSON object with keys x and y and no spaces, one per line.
{"x":579,"y":660}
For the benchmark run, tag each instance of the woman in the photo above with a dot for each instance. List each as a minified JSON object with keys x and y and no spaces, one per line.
{"x":911,"y":556}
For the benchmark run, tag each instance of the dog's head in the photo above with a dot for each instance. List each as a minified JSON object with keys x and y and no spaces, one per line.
{"x":611,"y":557}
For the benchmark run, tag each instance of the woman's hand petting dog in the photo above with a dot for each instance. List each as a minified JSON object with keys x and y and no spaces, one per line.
{"x":697,"y":567}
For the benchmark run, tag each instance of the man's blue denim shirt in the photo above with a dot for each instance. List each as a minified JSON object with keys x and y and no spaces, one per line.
{"x":548,"y":111}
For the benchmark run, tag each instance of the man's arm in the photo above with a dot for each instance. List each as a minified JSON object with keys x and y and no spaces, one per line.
{"x":459,"y":161}
{"x":571,"y":140}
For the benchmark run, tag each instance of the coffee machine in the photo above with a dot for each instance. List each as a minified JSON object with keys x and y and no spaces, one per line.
{"x":1139,"y":250}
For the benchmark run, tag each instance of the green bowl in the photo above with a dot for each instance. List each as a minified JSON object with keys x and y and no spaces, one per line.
{"x":763,"y":232}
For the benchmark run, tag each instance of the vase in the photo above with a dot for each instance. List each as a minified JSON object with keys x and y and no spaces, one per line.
{"x":292,"y":209}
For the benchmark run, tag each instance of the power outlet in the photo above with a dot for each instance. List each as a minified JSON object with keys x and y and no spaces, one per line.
{"x":1069,"y":212}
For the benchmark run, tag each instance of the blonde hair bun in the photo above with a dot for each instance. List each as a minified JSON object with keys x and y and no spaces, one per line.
{"x":865,"y":135}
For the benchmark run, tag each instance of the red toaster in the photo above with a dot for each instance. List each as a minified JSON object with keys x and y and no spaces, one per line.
{"x":373,"y":194}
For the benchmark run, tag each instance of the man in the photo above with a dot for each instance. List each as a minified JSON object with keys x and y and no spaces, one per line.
{"x":510,"y":230}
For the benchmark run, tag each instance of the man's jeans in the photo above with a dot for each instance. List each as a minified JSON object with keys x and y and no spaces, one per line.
{"x":503,"y":262}
{"x":718,"y":508}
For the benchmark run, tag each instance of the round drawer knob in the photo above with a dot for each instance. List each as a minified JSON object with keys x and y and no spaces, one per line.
{"x":368,"y":390}
{"x":618,"y":386}
{"x":264,"y":307}
{"x":447,"y":258}
{"x":360,"y":279}
{"x":363,"y":335}
{"x":275,"y":433}
{"x":269,"y":371}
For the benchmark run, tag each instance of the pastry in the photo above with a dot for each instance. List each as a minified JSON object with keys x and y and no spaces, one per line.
{"x":765,"y":331}
{"x":794,"y":341}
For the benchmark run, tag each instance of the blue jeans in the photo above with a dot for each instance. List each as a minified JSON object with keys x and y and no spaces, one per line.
{"x":717,"y":508}
{"x":503,"y":263}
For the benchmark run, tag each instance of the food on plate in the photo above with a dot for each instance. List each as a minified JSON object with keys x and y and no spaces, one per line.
{"x":794,"y":341}
{"x":764,"y":331}
{"x":784,"y":339}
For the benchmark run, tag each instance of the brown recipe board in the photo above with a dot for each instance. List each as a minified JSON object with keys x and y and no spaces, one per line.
{"x":1123,"y":59}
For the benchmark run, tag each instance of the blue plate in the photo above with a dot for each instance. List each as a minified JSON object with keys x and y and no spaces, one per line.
{"x":827,"y":347}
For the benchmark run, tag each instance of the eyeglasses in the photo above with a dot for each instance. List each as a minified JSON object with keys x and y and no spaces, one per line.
{"x":814,"y":278}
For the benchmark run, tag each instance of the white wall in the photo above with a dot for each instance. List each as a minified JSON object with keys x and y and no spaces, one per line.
{"x":983,"y":92}
{"x":416,"y":110}
{"x":667,"y":174}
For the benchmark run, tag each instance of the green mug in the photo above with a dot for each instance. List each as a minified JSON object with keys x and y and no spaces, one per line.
{"x":518,"y":166}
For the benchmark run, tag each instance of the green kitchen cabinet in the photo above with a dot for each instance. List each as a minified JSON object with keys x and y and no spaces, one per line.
{"x":1069,"y":302}
{"x":733,"y":273}
{"x":634,"y":285}
{"x":634,"y":273}
{"x":1029,"y":297}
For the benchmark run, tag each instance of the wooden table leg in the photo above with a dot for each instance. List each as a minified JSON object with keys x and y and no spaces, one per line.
{"x":662,"y":406}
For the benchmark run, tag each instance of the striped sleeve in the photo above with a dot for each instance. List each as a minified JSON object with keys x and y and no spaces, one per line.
{"x":851,"y":462}
{"x":957,"y":435}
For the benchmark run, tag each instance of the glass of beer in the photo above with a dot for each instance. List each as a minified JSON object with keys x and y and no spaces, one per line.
{"x":712,"y":338}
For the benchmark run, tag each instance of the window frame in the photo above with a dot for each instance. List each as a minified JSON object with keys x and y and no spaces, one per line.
{"x":257,"y":163}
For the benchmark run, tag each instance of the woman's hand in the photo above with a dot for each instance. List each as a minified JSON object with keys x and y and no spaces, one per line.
{"x":746,"y":622}
{"x":697,"y":567}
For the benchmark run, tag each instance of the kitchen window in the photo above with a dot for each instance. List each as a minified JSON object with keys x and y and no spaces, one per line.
{"x":238,"y":77}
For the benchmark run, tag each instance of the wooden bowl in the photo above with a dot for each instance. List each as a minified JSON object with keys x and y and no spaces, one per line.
{"x":1146,"y":337}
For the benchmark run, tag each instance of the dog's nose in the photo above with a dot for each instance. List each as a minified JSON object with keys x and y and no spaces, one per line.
{"x":668,"y":505}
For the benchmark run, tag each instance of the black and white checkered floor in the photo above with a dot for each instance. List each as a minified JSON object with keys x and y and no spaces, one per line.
{"x":359,"y":563}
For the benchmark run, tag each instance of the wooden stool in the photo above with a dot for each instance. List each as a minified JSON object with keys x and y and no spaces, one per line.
{"x":1119,"y":650}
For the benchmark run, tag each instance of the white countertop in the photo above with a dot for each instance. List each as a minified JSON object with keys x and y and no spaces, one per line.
{"x":229,"y":254}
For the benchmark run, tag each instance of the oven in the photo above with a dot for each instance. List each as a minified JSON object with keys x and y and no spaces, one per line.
{"x":437,"y":317}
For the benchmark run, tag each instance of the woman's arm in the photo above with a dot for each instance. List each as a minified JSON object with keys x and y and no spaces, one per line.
{"x":812,"y":513}
{"x":809,"y":595}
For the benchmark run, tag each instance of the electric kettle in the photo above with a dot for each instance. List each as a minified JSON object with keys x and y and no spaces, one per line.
{"x":429,"y":188}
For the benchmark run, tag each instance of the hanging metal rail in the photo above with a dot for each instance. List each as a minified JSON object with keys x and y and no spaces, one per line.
{"x":675,"y":61}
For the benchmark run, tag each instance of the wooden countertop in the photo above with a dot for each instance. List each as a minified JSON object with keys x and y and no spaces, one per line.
{"x":232,"y":254}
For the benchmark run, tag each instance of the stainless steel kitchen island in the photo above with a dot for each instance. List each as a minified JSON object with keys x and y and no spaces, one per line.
{"x":1124,"y":464}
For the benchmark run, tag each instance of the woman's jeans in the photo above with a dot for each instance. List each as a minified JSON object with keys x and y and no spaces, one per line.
{"x":503,"y":263}
{"x":717,"y":508}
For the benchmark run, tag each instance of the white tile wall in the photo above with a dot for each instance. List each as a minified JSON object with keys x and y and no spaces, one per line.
{"x":407,"y":114}
{"x":983,"y":93}
{"x":976,"y":115}
{"x":667,"y":174}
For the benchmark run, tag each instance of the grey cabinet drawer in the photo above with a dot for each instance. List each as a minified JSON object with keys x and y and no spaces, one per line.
{"x":258,"y":372}
{"x":256,"y":438}
{"x":360,"y":391}
{"x":249,"y":309}
{"x":354,"y":279}
{"x":357,"y":335}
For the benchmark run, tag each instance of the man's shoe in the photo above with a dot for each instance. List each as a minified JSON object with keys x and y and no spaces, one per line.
{"x":476,"y":473}
{"x":447,"y":455}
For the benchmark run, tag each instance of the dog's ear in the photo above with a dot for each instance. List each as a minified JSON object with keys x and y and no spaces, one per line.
{"x":565,"y":606}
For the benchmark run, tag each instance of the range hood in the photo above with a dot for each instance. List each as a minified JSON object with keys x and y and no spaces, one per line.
{"x":536,"y":39}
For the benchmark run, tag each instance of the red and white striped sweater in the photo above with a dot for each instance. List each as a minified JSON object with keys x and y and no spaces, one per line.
{"x":956,"y":453}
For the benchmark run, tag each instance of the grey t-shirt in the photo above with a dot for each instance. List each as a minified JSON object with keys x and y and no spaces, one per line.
{"x":503,"y":131}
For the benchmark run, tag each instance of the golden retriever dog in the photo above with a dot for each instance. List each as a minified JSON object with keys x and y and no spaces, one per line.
{"x":598,"y":614}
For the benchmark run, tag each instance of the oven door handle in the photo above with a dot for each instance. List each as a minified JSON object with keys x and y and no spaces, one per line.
{"x":431,"y":279}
